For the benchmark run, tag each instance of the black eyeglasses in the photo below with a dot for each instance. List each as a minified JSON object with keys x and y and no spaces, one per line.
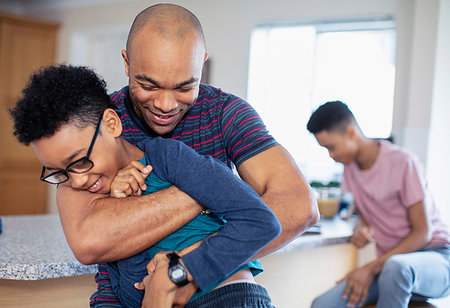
{"x":79,"y":166}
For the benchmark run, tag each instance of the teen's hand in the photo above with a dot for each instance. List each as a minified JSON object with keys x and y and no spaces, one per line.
{"x":358,"y":284}
{"x":160,"y":291}
{"x":362,"y":235}
{"x":130,"y":181}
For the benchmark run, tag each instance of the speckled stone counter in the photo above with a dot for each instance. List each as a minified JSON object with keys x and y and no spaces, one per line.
{"x":34,"y":248}
{"x":38,"y":269}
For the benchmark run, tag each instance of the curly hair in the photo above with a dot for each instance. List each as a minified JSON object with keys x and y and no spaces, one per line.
{"x":56,"y":95}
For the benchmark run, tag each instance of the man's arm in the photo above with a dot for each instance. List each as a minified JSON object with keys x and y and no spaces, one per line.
{"x":101,"y":229}
{"x":274,"y":175}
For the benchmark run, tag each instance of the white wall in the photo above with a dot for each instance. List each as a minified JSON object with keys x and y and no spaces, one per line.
{"x":439,"y":145}
{"x":228,"y":25}
{"x":421,"y":76}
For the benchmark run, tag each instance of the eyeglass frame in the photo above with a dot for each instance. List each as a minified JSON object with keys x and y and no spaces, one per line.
{"x":67,"y":169}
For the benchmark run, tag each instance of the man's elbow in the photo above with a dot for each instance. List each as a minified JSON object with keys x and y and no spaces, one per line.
{"x":306,"y":216}
{"x":88,"y":251}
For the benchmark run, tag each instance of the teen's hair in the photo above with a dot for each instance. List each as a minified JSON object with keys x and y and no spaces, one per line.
{"x":331,"y":116}
{"x":58,"y":95}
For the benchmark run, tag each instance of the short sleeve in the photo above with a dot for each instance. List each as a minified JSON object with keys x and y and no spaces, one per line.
{"x":414,"y":184}
{"x":244,"y":132}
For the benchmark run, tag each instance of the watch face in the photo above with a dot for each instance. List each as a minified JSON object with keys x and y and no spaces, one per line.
{"x":177,"y":273}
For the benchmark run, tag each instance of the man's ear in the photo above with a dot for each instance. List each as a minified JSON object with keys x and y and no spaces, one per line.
{"x":112,"y":122}
{"x":126,"y":62}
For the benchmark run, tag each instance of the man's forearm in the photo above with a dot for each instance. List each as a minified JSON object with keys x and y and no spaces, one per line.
{"x":109,"y":229}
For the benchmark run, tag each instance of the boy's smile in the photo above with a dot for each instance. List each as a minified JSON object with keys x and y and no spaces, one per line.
{"x":70,"y":144}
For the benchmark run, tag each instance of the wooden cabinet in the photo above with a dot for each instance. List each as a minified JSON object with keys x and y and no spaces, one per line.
{"x":25,"y":46}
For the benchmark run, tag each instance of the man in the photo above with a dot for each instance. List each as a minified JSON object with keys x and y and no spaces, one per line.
{"x":163,"y":60}
{"x":394,"y":210}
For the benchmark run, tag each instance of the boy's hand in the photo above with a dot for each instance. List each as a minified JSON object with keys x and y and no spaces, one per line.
{"x":130,"y":181}
{"x":362,"y":235}
{"x":358,"y":284}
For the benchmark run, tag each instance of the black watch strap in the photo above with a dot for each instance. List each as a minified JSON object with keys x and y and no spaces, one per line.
{"x":177,"y":272}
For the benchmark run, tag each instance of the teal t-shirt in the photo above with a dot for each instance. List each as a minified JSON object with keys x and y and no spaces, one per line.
{"x":197,"y":229}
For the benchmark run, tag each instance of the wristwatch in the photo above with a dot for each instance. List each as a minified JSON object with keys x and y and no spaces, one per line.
{"x":177,"y":271}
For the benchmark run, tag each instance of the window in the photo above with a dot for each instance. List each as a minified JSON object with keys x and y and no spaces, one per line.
{"x":100,"y":49}
{"x":294,"y":69}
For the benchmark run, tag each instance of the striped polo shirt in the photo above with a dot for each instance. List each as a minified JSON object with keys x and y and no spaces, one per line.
{"x":219,"y":124}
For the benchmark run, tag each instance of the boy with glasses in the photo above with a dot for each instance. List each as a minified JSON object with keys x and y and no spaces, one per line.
{"x":66,"y":115}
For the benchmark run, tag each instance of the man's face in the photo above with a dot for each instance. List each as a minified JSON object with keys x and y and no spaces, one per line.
{"x":341,"y":146}
{"x":164,"y":78}
{"x":71,"y":143}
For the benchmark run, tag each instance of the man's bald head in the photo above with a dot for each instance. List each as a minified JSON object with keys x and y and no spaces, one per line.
{"x":168,"y":21}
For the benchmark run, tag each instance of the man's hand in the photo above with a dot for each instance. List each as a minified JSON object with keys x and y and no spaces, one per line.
{"x":160,"y":291}
{"x":358,"y":284}
{"x":130,"y":181}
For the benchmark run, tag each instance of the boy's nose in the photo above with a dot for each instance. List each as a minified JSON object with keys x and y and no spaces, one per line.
{"x":78,"y":180}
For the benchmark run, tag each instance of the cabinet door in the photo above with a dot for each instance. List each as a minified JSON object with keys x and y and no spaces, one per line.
{"x":25,"y":46}
{"x":22,"y":193}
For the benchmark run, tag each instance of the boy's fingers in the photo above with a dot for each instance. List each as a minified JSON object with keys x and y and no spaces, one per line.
{"x":367,"y":233}
{"x":138,"y":178}
{"x":139,"y":285}
{"x":141,"y":167}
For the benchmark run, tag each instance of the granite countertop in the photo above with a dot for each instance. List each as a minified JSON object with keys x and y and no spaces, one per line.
{"x":34,"y":247}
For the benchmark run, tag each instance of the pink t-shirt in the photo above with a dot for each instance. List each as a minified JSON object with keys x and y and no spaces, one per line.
{"x":384,"y":193}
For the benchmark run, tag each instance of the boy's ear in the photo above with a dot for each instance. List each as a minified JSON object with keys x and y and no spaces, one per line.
{"x":351,"y":133}
{"x":112,"y":122}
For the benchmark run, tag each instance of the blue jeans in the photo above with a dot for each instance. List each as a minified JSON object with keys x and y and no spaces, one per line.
{"x":420,"y":275}
{"x":236,"y":295}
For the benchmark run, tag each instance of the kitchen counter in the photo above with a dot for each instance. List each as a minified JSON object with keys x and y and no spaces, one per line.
{"x":310,"y":264}
{"x":36,"y":263}
{"x":37,"y":267}
{"x":333,"y":231}
{"x":34,"y":248}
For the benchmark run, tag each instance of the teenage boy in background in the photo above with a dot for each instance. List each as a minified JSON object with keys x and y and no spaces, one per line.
{"x":395,"y":210}
{"x":66,"y":114}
